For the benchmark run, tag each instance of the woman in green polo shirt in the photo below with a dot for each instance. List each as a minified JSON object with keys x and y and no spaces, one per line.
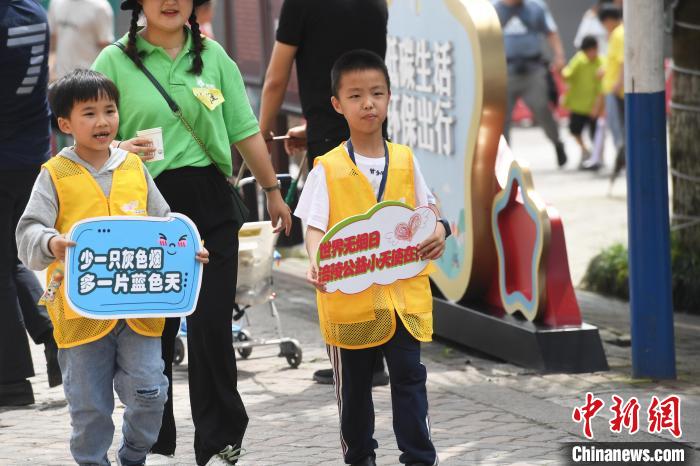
{"x":207,"y":86}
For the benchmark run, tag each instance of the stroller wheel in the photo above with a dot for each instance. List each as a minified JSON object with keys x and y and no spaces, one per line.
{"x":291,"y":351}
{"x":179,"y":353}
{"x":244,"y":335}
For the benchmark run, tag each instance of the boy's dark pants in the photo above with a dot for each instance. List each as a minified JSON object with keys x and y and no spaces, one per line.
{"x":352,"y":373}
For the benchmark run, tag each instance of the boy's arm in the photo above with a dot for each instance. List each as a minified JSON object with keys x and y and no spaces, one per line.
{"x":36,"y":227}
{"x":313,"y":210}
{"x":433,"y":246}
{"x":157,"y":205}
{"x":569,"y":69}
{"x":313,"y":240}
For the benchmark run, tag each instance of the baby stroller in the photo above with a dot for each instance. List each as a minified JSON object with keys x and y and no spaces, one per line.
{"x":256,"y":255}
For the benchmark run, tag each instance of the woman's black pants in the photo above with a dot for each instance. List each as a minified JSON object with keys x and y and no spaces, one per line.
{"x":218,"y":413}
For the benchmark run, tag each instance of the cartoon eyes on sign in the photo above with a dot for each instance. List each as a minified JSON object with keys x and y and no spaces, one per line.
{"x":404,"y":231}
{"x":163,"y":241}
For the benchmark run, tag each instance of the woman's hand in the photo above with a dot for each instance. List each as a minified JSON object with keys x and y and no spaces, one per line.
{"x":433,"y":246}
{"x":202,"y":256}
{"x":312,"y":277}
{"x":143,"y":147}
{"x":58,"y":245}
{"x":280,"y":213}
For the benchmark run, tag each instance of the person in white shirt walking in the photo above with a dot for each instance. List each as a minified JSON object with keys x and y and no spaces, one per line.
{"x":79,"y":30}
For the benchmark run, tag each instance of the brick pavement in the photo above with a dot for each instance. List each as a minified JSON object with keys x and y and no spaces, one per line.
{"x":483,"y":411}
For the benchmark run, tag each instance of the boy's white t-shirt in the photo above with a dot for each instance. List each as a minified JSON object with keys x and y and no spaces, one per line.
{"x":313,"y":206}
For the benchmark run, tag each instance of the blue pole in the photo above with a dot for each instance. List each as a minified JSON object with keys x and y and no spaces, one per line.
{"x":653,"y":350}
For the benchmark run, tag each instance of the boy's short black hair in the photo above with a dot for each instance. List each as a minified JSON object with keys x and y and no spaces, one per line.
{"x":613,"y":12}
{"x":589,"y":42}
{"x":80,"y":86}
{"x":357,"y":60}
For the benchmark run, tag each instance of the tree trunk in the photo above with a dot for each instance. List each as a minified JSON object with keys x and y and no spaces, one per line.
{"x":685,"y":129}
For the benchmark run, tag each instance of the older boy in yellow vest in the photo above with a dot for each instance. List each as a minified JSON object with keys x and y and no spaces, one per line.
{"x":87,"y":180}
{"x":393,"y":319}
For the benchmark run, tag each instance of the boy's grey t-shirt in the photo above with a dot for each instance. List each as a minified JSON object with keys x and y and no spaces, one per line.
{"x":36,"y":226}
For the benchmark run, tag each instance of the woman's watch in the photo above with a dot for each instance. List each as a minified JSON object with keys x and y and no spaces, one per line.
{"x":274,"y":187}
{"x":446,"y":224}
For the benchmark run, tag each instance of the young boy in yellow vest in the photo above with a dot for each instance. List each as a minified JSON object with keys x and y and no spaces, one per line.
{"x":86,"y":180}
{"x":393,"y":319}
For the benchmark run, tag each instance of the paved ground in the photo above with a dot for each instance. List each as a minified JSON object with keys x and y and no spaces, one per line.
{"x":593,"y":214}
{"x":483,"y":411}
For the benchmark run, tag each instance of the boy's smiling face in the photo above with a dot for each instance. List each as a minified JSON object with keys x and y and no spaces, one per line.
{"x":363,"y":99}
{"x":93,"y":124}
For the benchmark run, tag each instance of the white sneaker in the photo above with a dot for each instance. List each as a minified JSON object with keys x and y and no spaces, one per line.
{"x":156,"y":459}
{"x":227,"y":456}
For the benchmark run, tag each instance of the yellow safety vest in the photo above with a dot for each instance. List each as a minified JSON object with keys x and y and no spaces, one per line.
{"x":367,"y":319}
{"x":80,"y":197}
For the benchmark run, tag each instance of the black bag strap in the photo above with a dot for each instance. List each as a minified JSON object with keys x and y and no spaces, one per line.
{"x":172,"y":104}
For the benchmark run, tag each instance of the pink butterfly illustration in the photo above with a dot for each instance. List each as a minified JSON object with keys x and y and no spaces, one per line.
{"x":405,"y":231}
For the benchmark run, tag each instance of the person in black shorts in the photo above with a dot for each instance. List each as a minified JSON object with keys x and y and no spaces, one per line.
{"x":578,"y":123}
{"x":314,"y":33}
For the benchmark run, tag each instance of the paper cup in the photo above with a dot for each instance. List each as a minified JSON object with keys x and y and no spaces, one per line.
{"x":156,"y":137}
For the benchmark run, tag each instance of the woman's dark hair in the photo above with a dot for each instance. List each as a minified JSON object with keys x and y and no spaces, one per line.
{"x":80,"y":86}
{"x":131,"y":49}
{"x":197,"y":40}
{"x":198,"y":45}
{"x":357,"y":60}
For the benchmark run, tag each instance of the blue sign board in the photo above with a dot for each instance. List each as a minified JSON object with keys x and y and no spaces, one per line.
{"x":129,"y":267}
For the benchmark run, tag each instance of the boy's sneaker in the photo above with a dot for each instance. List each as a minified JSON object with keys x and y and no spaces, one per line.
{"x":228,"y":455}
{"x":585,"y":158}
{"x":156,"y":459}
{"x":119,"y":461}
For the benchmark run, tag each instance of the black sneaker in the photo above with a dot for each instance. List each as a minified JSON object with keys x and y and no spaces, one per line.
{"x":52,"y":368}
{"x":369,"y":461}
{"x":379,"y":379}
{"x":324,"y":376}
{"x":561,"y":154}
{"x":16,"y":394}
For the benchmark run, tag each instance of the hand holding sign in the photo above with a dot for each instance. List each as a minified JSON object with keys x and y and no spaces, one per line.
{"x":129,"y":267}
{"x":386,"y":244}
{"x":58,"y":245}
